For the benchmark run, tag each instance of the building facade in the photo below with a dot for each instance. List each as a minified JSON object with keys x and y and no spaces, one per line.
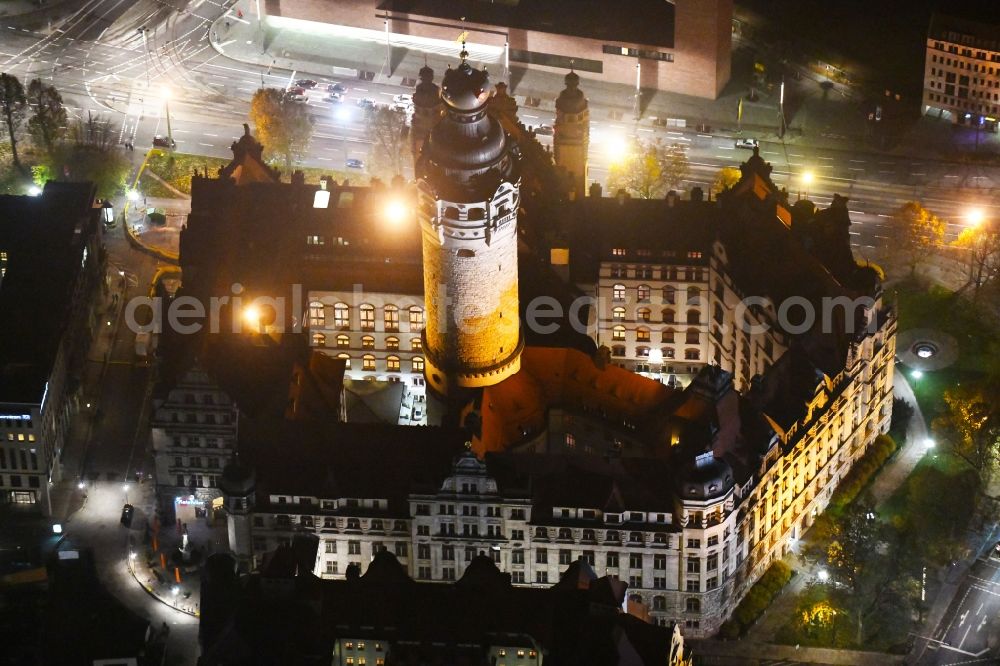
{"x":962,"y":72}
{"x":51,"y":276}
{"x":683,"y":46}
{"x":193,"y":437}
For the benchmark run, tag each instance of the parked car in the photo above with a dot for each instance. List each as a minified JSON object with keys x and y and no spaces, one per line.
{"x":746,"y":143}
{"x":545,"y":130}
{"x":367,"y":103}
{"x":164,"y":142}
{"x":296,"y":90}
{"x":354,"y":163}
{"x":334,"y":98}
{"x":336,"y":88}
{"x":127,"y":512}
{"x":305,"y":83}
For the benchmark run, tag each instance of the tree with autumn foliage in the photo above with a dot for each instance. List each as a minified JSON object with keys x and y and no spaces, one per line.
{"x":725,"y":179}
{"x":283,"y":124}
{"x":915,"y":233}
{"x":649,"y":170}
{"x":970,"y":429}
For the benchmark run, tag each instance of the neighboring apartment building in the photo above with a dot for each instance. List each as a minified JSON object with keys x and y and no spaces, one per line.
{"x":962,"y":72}
{"x":51,"y":269}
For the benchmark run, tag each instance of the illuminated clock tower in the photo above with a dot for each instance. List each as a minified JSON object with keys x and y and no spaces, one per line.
{"x":468,"y":181}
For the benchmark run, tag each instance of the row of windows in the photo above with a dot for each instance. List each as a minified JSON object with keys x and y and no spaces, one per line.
{"x":642,"y":334}
{"x":646,"y":253}
{"x":618,"y":351}
{"x":366,"y":314}
{"x":646,"y":314}
{"x":392,"y":363}
{"x":343,"y":341}
{"x":672,"y":273}
{"x":668,"y":294}
{"x":979,"y":55}
{"x":951,"y":101}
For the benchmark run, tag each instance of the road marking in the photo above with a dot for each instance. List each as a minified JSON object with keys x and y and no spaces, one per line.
{"x":705,"y":136}
{"x":918,"y":174}
{"x":826,"y":158}
{"x":208,"y":134}
{"x":362,"y":89}
{"x":207,"y":144}
{"x":324,"y":159}
{"x":644,"y":129}
{"x":726,"y":147}
{"x":887,"y":172}
{"x":674,"y":133}
{"x":858,"y":161}
{"x":793,"y":155}
{"x":950,"y":176}
{"x":768,"y":152}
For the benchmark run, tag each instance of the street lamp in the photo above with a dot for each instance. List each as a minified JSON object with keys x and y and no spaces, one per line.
{"x":617,"y":149}
{"x":917,"y":374}
{"x":823,"y":575}
{"x":975,"y":217}
{"x":395,"y":212}
{"x":807,"y":179}
{"x":166,"y":105}
{"x":132,"y":195}
{"x":929,"y":443}
{"x":34,"y":191}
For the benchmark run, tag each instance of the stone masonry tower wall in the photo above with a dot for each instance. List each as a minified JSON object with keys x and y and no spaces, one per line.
{"x":572,"y":139}
{"x":468,"y":189}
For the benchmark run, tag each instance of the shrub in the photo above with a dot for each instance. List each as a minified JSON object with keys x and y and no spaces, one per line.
{"x":863,"y":471}
{"x":757,"y":600}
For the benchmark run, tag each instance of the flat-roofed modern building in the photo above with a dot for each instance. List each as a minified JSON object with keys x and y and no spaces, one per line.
{"x":682,"y":46}
{"x":962,"y":72}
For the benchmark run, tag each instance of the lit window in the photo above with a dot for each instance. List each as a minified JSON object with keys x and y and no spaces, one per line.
{"x":367,"y":317}
{"x":642,"y":352}
{"x":618,"y":292}
{"x":347,"y":360}
{"x":317,"y":314}
{"x":343,"y":341}
{"x":618,"y":333}
{"x":392,"y":363}
{"x":418,"y":364}
{"x":315,"y":240}
{"x":642,"y":334}
{"x":319,"y":340}
{"x":391,"y":343}
{"x":341,"y":315}
{"x":367,"y":342}
{"x":570,"y":441}
{"x":416,"y":318}
{"x":391,"y":318}
{"x":618,"y":252}
{"x":643,"y":292}
{"x":416,"y":344}
{"x":618,"y":313}
{"x":643,"y":314}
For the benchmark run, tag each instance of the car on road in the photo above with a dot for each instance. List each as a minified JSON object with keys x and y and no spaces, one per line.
{"x":164,"y":142}
{"x":354,"y":163}
{"x":128,"y":511}
{"x":334,"y":98}
{"x":545,"y":130}
{"x":305,"y":83}
{"x":402,"y":99}
{"x":747,"y":143}
{"x":402,"y":107}
{"x":298,"y":97}
{"x":367,"y":103}
{"x":296,"y":90}
{"x":995,"y":552}
{"x":336,"y":88}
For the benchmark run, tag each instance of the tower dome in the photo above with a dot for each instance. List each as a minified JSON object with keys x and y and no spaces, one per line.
{"x":571,"y":143}
{"x":468,"y":184}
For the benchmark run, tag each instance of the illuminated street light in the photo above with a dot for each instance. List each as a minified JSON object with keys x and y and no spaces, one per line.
{"x":252,"y":315}
{"x":125,"y":487}
{"x":917,"y":374}
{"x":807,"y":179}
{"x":975,"y":217}
{"x":81,"y":485}
{"x":57,"y":528}
{"x":823,"y":575}
{"x":396,"y":211}
{"x":132,"y":195}
{"x":131,"y":555}
{"x":617,"y":149}
{"x":929,"y":443}
{"x":175,"y":590}
{"x":34,"y":190}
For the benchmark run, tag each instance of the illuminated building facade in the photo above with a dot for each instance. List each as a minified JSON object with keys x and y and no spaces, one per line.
{"x":962,"y":72}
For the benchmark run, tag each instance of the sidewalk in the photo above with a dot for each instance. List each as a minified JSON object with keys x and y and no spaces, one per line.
{"x":743,"y":652}
{"x":158,"y":564}
{"x":895,"y":472}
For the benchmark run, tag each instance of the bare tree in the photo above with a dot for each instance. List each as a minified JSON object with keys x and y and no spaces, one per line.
{"x":48,"y":121}
{"x":385,"y":129}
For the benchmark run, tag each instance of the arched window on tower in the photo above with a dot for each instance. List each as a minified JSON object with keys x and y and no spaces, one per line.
{"x":317,"y":314}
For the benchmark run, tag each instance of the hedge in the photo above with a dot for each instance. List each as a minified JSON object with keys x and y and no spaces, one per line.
{"x":757,"y":600}
{"x":863,"y":471}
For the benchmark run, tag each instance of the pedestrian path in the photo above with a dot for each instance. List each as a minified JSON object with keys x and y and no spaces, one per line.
{"x":914,"y":447}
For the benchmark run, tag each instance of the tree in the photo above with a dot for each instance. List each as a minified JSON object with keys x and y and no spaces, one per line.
{"x":725,"y":179}
{"x":970,"y":429}
{"x":916,"y":233}
{"x":48,"y":122}
{"x":91,"y":153}
{"x":649,"y":170}
{"x":385,"y":129}
{"x":983,"y":245}
{"x":12,"y":105}
{"x":283,"y":125}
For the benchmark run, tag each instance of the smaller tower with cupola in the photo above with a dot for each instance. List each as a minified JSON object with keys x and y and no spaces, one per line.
{"x":238,"y":485}
{"x":572,"y":134}
{"x":427,"y":110}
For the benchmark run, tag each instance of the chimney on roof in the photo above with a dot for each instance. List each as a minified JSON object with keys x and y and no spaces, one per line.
{"x":596,"y":191}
